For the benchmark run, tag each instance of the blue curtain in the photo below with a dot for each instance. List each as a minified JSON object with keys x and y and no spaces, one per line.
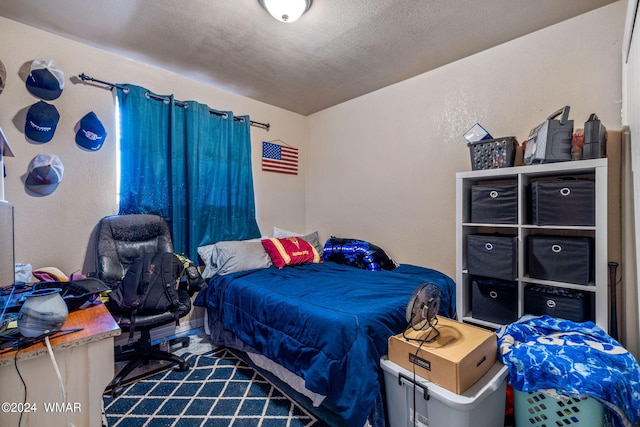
{"x":188,"y":163}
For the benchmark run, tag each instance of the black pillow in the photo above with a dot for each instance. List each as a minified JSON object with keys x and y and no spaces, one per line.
{"x":357,"y":253}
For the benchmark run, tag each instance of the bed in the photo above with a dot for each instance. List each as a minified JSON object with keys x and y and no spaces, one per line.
{"x":324,"y":322}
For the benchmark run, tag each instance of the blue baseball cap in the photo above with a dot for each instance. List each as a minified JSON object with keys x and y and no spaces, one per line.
{"x":42,"y":120}
{"x":45,"y":80}
{"x":91,"y":133}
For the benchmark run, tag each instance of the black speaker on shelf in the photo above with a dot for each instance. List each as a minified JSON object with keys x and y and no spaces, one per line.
{"x":595,"y":139}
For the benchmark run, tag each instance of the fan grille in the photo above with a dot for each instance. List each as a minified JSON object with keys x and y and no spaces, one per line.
{"x":423,"y":308}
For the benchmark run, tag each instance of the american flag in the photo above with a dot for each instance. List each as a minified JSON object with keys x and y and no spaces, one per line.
{"x":279,"y":158}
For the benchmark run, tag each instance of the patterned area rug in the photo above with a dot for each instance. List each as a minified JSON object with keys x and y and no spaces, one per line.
{"x":218,"y":391}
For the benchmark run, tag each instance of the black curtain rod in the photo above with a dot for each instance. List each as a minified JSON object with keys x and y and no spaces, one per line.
{"x":125,"y":89}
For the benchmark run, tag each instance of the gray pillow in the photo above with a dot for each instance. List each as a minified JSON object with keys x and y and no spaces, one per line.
{"x":232,"y":256}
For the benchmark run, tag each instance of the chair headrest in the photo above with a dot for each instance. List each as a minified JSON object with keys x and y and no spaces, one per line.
{"x":123,"y":238}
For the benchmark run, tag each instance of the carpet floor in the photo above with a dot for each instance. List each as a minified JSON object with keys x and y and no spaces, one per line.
{"x":218,"y":391}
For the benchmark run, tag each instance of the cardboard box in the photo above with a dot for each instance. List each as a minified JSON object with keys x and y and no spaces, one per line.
{"x":455,"y":360}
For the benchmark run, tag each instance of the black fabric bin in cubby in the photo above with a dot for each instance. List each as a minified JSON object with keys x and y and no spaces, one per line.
{"x":494,"y":300}
{"x":494,"y":204}
{"x":567,"y":304}
{"x":563,"y":202}
{"x":492,"y":255}
{"x":560,"y":258}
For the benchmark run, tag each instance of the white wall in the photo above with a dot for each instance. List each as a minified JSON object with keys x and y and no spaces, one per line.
{"x":382,"y":167}
{"x":631,"y":118}
{"x":55,"y":230}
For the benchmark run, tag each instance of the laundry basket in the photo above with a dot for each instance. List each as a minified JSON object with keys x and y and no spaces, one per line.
{"x":537,"y":409}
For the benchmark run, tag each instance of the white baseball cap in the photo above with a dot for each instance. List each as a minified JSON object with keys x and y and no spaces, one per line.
{"x":45,"y":80}
{"x":45,"y":173}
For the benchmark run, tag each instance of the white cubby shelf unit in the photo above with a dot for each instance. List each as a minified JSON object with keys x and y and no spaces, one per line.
{"x":523,"y":176}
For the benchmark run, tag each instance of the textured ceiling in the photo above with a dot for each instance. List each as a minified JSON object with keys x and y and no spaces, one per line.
{"x":338,"y":50}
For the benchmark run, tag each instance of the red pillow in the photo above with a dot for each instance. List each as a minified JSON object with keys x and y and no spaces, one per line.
{"x":290,"y":251}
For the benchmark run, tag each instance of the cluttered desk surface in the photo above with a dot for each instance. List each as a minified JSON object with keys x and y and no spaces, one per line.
{"x":84,"y":326}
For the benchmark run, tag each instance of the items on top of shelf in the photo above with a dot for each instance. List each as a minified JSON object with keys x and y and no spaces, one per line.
{"x":45,"y":79}
{"x":493,"y":153}
{"x":550,"y":141}
{"x":41,"y":122}
{"x":595,"y":138}
{"x":476,"y":133}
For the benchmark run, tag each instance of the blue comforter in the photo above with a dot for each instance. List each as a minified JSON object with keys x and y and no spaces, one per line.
{"x":327,"y":323}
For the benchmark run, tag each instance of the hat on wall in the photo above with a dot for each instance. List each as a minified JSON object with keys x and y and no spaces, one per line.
{"x":45,"y":173}
{"x":42,"y":120}
{"x":45,"y":80}
{"x":91,"y":133}
{"x":3,"y":76}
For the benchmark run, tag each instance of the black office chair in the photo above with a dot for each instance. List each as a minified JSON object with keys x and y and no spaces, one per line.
{"x":121,"y":239}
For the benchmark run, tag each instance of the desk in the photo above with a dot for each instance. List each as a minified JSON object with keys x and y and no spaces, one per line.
{"x":86,"y":362}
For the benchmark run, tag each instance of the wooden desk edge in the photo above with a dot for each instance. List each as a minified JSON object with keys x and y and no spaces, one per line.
{"x":96,"y":323}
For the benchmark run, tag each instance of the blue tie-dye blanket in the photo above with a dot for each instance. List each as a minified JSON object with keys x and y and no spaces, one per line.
{"x":578,"y":359}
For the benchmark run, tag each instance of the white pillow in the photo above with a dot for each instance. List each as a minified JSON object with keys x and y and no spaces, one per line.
{"x":281,"y":233}
{"x":232,"y":256}
{"x":312,"y":238}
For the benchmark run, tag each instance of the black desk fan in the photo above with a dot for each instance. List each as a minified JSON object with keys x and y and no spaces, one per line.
{"x":422,"y":311}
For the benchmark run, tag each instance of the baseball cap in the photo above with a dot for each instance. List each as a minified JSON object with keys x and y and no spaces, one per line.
{"x":45,"y":173}
{"x":3,"y":76}
{"x":42,"y":120}
{"x":91,"y":133}
{"x":45,"y":80}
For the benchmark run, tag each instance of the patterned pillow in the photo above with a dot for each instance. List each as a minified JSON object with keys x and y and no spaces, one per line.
{"x":290,"y":251}
{"x":357,"y":253}
{"x":312,"y":238}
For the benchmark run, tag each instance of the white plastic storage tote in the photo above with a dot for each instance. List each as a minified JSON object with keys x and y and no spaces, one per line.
{"x":482,"y":405}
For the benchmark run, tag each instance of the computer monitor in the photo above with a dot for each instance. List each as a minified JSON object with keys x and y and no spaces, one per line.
{"x":7,"y":253}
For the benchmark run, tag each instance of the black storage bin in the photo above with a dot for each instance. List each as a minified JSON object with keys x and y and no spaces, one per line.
{"x":494,"y":300}
{"x":563,"y":202}
{"x":560,"y":258}
{"x":492,"y":255}
{"x":568,"y":304}
{"x":494,"y":204}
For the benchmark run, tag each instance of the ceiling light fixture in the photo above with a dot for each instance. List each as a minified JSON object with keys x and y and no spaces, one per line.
{"x":286,"y":10}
